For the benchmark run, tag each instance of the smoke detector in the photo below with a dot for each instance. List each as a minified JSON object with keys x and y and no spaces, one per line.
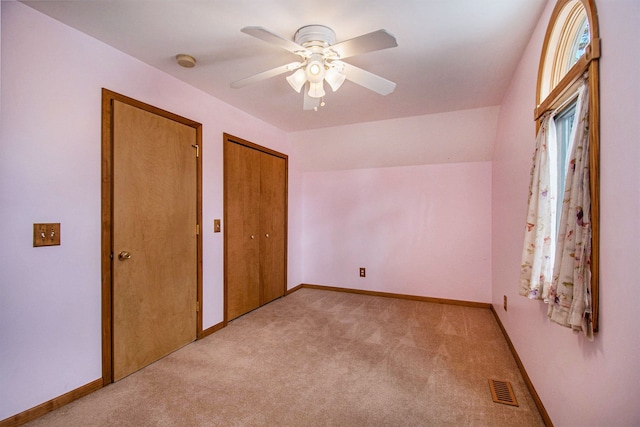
{"x":187,"y":61}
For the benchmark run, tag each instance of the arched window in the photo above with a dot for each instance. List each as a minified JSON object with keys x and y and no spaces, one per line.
{"x":571,"y":45}
{"x":567,"y":118}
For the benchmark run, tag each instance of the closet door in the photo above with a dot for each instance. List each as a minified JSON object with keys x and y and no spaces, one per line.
{"x":242,"y":229}
{"x":272,"y":226}
{"x":255,"y":186}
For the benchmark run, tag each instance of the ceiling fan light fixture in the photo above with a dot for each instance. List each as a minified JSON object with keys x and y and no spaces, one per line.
{"x":320,"y":60}
{"x":334,"y":78}
{"x":315,"y":68}
{"x":297,"y":80}
{"x":316,"y":90}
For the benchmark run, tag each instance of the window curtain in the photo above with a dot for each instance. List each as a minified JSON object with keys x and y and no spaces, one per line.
{"x":569,"y":296}
{"x":539,"y":241}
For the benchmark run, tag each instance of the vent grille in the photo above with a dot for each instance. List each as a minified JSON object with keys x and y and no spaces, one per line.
{"x":501,"y":392}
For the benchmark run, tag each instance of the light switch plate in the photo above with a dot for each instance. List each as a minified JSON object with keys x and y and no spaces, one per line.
{"x":216,"y":225}
{"x":46,"y":234}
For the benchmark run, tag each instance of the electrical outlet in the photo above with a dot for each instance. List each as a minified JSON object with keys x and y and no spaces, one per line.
{"x":505,"y":302}
{"x":216,"y":225}
{"x":363,"y":272}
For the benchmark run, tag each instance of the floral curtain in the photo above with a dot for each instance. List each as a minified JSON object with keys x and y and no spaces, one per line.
{"x":539,"y":240}
{"x":570,"y":293}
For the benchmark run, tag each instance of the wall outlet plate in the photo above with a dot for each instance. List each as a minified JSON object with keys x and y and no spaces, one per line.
{"x":363,"y":272}
{"x":46,"y":234}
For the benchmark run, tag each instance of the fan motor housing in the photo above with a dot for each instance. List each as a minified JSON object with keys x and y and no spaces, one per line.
{"x":315,"y":33}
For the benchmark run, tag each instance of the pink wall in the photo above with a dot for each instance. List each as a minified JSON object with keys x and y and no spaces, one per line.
{"x":52,"y":75}
{"x":580,"y":382}
{"x":418,"y":230}
{"x":417,"y":140}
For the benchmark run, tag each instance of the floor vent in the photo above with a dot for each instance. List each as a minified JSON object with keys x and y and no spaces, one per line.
{"x":501,"y":392}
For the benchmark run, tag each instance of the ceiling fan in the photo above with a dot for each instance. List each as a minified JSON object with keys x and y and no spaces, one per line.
{"x":322,"y":60}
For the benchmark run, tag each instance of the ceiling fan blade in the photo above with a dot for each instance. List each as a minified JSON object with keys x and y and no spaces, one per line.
{"x":266,"y":74}
{"x":309,"y":103}
{"x":370,"y":42}
{"x":368,"y":80}
{"x":269,"y":37}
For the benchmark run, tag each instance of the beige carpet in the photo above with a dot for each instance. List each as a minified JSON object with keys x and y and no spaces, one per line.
{"x":323,"y":358}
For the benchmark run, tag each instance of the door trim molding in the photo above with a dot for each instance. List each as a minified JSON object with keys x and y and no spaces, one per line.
{"x":107,"y":214}
{"x":228,"y":138}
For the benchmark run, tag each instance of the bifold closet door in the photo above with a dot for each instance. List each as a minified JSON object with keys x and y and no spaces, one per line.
{"x":242,"y":205}
{"x":272,"y":218}
{"x":255,"y":186}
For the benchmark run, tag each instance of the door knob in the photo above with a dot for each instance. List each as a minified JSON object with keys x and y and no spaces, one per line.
{"x":124,"y":255}
{"x":266,"y":235}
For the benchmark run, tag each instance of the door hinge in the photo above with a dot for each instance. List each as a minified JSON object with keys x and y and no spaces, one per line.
{"x":197,"y":147}
{"x":197,"y":306}
{"x":197,"y":229}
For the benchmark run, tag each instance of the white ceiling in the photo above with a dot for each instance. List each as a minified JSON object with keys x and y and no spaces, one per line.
{"x":451,"y":55}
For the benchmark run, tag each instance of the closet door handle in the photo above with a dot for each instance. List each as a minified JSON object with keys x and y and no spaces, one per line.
{"x":253,"y":237}
{"x":266,"y":235}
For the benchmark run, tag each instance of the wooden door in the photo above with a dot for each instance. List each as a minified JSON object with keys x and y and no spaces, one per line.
{"x":242,"y":230}
{"x":272,"y":227}
{"x":255,"y":195}
{"x":154,"y":268}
